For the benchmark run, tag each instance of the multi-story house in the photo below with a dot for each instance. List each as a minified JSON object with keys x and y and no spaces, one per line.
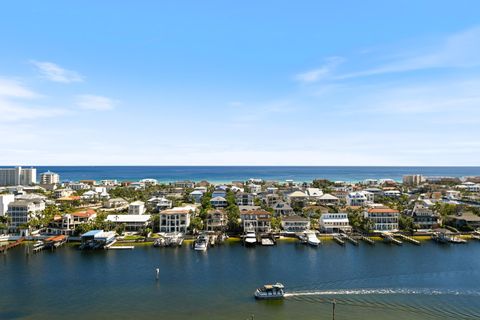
{"x":216,"y":220}
{"x":334,"y":222}
{"x":22,"y":211}
{"x":383,"y":218}
{"x":256,"y":220}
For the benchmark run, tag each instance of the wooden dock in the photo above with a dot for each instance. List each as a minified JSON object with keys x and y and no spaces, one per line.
{"x":120,"y":248}
{"x":339,"y":240}
{"x":387,"y":237}
{"x":350,"y":239}
{"x":408,"y":239}
{"x":4,"y":248}
{"x":367,"y":240}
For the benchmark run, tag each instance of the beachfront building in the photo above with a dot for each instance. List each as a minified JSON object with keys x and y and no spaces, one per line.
{"x":295,"y":224}
{"x":216,"y":220}
{"x":219,"y":202}
{"x":328,"y":200}
{"x":282,"y":209}
{"x":22,"y":211}
{"x":18,"y":176}
{"x":360,"y":198}
{"x":256,"y":220}
{"x":383,"y":218}
{"x":413,"y":179}
{"x":49,"y":178}
{"x":5,"y":200}
{"x":334,"y":222}
{"x":176,"y":219}
{"x":132,"y":222}
{"x":66,"y":224}
{"x":136,"y":208}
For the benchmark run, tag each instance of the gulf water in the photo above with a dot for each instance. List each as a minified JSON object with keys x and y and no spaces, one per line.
{"x":231,"y":173}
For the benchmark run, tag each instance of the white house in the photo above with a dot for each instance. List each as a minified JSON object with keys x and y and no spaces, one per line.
{"x":314,"y":193}
{"x":360,"y":198}
{"x":22,"y":211}
{"x":328,"y":199}
{"x":334,"y":222}
{"x":137,"y":207}
{"x":176,"y":219}
{"x":282,"y":209}
{"x":197,"y":195}
{"x":132,"y":222}
{"x":295,"y":224}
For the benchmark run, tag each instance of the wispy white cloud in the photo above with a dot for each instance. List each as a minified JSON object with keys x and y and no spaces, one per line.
{"x":94,"y":102}
{"x":13,"y":107}
{"x":15,"y":89}
{"x":54,"y":72}
{"x":319,"y":73}
{"x":459,"y":50}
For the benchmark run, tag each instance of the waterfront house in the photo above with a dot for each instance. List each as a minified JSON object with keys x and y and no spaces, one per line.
{"x":216,"y":220}
{"x":22,"y":211}
{"x":186,"y":184}
{"x":176,"y":219}
{"x":244,"y":199}
{"x":219,"y":202}
{"x":295,"y":224}
{"x":136,"y":207}
{"x":334,"y":222}
{"x":132,"y":222}
{"x":328,"y":199}
{"x":66,"y":223}
{"x":256,"y":220}
{"x":282,"y":209}
{"x":465,"y":219}
{"x":383,"y":218}
{"x":424,"y":217}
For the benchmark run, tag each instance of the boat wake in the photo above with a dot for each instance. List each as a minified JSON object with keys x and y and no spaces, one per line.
{"x":382,"y":291}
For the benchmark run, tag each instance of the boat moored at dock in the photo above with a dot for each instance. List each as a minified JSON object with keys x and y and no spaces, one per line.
{"x":201,"y":243}
{"x":250,"y":238}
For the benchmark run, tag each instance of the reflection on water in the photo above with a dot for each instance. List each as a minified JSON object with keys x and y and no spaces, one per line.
{"x":379,"y":282}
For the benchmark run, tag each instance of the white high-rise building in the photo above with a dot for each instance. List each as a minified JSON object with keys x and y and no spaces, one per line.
{"x":49,"y":178}
{"x":18,"y":176}
{"x":5,"y":200}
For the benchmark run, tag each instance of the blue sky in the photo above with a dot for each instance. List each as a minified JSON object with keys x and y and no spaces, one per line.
{"x":244,"y":83}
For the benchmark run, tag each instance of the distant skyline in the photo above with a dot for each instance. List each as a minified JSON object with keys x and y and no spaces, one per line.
{"x":247,"y":83}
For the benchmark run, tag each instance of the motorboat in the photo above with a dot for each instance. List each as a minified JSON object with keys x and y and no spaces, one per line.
{"x":440,"y":237}
{"x":312,"y":239}
{"x":201,"y":243}
{"x":250,"y":238}
{"x":270,"y":292}
{"x":4,"y":237}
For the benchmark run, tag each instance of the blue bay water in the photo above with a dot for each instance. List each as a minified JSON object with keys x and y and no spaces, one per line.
{"x":381,"y":282}
{"x":231,"y":173}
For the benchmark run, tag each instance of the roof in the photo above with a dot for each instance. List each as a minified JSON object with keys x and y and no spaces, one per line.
{"x":91,"y":233}
{"x":295,"y":218}
{"x":382,"y":210}
{"x":69,"y":198}
{"x":297,"y":194}
{"x":327,"y":196}
{"x":128,"y":218}
{"x":84,"y":214}
{"x":255,"y":212}
{"x":137,"y":203}
{"x":218,"y":199}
